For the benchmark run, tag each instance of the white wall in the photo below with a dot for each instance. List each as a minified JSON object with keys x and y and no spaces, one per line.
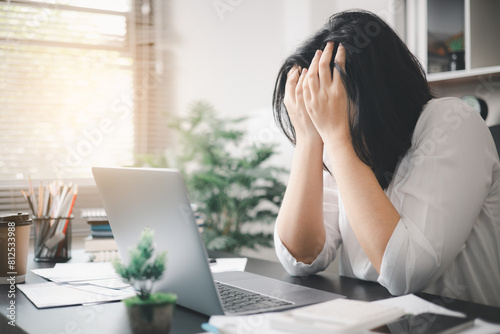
{"x":229,"y":53}
{"x":228,"y":58}
{"x":322,"y":9}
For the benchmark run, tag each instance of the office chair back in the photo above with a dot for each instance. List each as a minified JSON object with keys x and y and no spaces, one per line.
{"x":495,"y":132}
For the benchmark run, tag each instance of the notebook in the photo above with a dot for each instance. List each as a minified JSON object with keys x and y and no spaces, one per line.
{"x":134,"y":198}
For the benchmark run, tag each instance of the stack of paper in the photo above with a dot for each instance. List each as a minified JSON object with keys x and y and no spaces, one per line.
{"x":93,"y":282}
{"x":77,"y":283}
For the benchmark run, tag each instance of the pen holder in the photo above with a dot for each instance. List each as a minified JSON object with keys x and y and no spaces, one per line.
{"x":52,"y":239}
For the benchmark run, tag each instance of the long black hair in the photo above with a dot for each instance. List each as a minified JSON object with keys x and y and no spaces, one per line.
{"x":384,"y":81}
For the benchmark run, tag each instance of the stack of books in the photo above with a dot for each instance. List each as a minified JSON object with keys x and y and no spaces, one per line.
{"x":100,"y":243}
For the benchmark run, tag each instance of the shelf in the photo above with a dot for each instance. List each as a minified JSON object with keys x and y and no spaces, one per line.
{"x":462,"y":75}
{"x":433,"y":24}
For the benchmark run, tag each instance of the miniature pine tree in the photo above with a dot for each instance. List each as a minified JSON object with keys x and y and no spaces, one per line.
{"x":143,"y":269}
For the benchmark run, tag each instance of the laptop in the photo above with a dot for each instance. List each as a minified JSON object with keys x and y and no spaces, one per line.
{"x":134,"y":198}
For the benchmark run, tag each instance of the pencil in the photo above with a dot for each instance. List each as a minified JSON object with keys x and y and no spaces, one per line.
{"x":32,"y":197}
{"x":26,"y":197}
{"x":75,"y":193}
{"x":40,"y":200}
{"x":51,"y":206}
{"x":46,"y":202}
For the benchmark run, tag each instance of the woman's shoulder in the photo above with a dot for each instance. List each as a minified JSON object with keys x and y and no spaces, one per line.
{"x":448,"y":110}
{"x":448,"y":116}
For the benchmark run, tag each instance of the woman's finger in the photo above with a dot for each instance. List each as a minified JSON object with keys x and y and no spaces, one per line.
{"x":325,"y":73}
{"x":340,"y":60}
{"x":312,"y":74}
{"x":305,"y":88}
{"x":299,"y":91}
{"x":291,"y":82}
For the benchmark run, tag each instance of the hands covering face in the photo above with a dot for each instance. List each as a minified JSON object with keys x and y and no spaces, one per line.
{"x":316,"y":99}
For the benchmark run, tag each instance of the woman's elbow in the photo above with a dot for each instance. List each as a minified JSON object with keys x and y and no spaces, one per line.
{"x":405,"y":279}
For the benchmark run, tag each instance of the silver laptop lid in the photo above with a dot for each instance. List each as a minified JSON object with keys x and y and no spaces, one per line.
{"x":138,"y":197}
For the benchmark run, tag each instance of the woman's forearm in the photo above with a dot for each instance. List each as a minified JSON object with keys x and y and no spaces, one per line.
{"x":300,"y":220}
{"x":371,"y":214}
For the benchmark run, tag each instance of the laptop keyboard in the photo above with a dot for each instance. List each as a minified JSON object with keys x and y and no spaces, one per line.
{"x":236,"y":300}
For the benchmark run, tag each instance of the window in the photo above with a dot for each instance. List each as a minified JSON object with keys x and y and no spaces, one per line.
{"x":66,"y":88}
{"x":82,"y":83}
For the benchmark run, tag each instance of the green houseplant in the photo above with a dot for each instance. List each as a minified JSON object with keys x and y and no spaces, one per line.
{"x":148,"y":312}
{"x":236,"y":190}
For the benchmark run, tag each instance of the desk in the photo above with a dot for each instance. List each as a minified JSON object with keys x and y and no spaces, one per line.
{"x":111,"y":318}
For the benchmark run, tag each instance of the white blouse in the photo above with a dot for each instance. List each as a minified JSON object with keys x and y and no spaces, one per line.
{"x":447,"y":192}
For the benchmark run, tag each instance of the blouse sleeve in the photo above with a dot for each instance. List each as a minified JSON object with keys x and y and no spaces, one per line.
{"x":332,"y":240}
{"x":440,"y":188}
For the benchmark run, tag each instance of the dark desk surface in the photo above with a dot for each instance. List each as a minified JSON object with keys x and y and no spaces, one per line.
{"x":111,"y":318}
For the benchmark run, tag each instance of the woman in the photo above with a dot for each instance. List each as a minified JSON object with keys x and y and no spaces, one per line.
{"x":412,"y":183}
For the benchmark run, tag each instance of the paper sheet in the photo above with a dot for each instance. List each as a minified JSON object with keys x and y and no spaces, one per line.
{"x":259,"y":324}
{"x":73,"y":272}
{"x":416,"y":305}
{"x":229,"y":264}
{"x":111,"y":283}
{"x":77,"y":283}
{"x":51,"y":294}
{"x":248,"y":324}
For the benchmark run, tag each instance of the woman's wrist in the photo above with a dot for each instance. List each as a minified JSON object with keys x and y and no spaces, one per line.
{"x":338,"y":141}
{"x":309,"y":143}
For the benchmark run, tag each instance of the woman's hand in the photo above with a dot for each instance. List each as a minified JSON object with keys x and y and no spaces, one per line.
{"x":300,"y":223}
{"x":326,"y":98}
{"x":369,"y":211}
{"x":305,"y":131}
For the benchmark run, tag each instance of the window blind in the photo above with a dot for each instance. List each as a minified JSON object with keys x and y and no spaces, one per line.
{"x":82,"y":83}
{"x":66,"y":88}
{"x":154,"y":41}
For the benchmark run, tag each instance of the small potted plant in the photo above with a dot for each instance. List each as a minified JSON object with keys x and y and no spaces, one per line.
{"x":148,"y":312}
